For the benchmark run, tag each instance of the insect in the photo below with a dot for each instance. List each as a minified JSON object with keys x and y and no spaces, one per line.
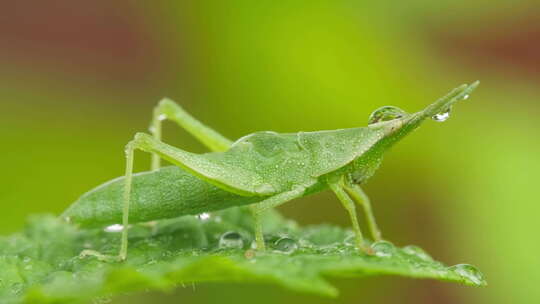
{"x":262,"y":169}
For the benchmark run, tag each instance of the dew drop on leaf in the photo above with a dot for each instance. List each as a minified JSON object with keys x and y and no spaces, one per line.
{"x":286,"y":245}
{"x":417,"y":252}
{"x":231,"y":239}
{"x":441,"y":117}
{"x":466,"y":97}
{"x":383,"y":248}
{"x":114,"y":228}
{"x":468,"y":272}
{"x":204,"y":216}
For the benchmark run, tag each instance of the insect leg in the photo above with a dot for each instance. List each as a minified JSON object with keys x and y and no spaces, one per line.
{"x":348,"y":203}
{"x":168,"y":109}
{"x":257,"y":227}
{"x":146,"y":143}
{"x":269,"y":203}
{"x":363,"y":200}
{"x":130,"y":148}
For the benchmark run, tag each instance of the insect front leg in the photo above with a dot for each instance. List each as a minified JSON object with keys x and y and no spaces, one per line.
{"x":363,"y":200}
{"x":168,"y":109}
{"x":274,"y":201}
{"x":348,"y":203}
{"x":129,"y":151}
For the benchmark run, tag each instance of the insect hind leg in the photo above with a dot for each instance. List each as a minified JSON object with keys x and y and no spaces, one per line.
{"x":168,"y":109}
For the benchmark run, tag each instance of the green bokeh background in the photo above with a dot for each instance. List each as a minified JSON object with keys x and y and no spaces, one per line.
{"x":78,"y":79}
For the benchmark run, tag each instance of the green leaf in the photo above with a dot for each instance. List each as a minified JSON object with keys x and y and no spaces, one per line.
{"x":43,"y":264}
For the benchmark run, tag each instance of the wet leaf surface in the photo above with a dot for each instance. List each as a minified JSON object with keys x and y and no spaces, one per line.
{"x":43,"y":264}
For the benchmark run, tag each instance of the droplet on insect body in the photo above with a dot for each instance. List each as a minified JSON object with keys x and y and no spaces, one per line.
{"x":231,"y":239}
{"x":417,"y":252}
{"x":286,"y":245}
{"x":386,"y":113}
{"x":443,"y":116}
{"x":114,"y":228}
{"x":383,"y":248}
{"x":204,"y":216}
{"x":469,"y":273}
{"x":465,"y":97}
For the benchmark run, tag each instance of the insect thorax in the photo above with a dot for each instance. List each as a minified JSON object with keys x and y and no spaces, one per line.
{"x":365,"y":167}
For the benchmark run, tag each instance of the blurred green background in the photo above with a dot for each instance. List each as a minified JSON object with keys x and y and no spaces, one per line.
{"x":79,"y":78}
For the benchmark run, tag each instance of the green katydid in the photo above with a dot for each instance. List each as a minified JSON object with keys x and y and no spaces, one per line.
{"x":263,"y":170}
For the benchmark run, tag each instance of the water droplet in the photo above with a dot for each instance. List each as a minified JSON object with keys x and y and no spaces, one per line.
{"x":386,"y":113}
{"x":204,"y":216}
{"x":162,"y":117}
{"x":418,"y":252}
{"x":383,"y":248}
{"x":443,"y":116}
{"x":468,"y":272}
{"x":231,"y":239}
{"x":114,"y":228}
{"x":264,"y":188}
{"x":286,"y":245}
{"x":466,"y":97}
{"x":67,"y":219}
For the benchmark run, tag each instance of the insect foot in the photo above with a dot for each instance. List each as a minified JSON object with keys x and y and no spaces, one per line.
{"x":368,"y":250}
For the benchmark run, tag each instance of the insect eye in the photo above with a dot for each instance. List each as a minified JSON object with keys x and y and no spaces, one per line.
{"x":386,"y":113}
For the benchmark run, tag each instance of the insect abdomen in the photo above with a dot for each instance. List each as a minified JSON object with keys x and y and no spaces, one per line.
{"x":168,"y":192}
